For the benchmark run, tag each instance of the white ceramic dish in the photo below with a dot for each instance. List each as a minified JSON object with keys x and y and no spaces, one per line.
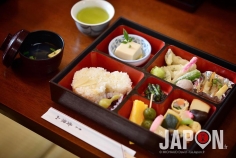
{"x":146,"y":49}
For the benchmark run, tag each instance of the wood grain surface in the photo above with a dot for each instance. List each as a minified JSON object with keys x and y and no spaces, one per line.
{"x":25,"y":98}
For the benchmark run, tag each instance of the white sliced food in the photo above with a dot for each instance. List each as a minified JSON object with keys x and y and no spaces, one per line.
{"x":221,"y":91}
{"x":167,"y":74}
{"x":169,"y":56}
{"x":178,"y":60}
{"x":54,"y":53}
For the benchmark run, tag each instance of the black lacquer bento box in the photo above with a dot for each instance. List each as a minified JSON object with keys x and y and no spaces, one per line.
{"x":117,"y":120}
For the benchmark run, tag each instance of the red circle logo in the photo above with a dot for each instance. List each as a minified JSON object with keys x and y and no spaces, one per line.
{"x":203,"y":137}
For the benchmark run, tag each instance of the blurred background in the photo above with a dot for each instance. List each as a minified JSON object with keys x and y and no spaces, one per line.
{"x":17,"y":141}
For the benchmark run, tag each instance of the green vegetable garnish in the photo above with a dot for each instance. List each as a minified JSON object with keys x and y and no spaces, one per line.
{"x":26,"y":53}
{"x":158,"y":71}
{"x":189,"y":75}
{"x":186,"y":121}
{"x":126,"y":36}
{"x":217,"y":83}
{"x":52,"y":49}
{"x":214,"y":81}
{"x":155,"y":89}
{"x":177,"y":107}
{"x":32,"y":57}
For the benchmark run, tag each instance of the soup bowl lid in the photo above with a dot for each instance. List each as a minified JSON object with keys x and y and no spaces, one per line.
{"x":11,"y":45}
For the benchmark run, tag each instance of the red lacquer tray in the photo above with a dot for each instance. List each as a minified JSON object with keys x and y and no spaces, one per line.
{"x":96,"y":55}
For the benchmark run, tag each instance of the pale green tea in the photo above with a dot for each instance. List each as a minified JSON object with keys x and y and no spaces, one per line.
{"x":92,"y":15}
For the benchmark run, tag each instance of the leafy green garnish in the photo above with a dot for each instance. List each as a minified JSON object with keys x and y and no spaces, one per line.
{"x":26,"y":53}
{"x":177,"y":107}
{"x":126,"y":36}
{"x":217,"y":83}
{"x":32,"y":57}
{"x":52,"y":49}
{"x":214,"y":81}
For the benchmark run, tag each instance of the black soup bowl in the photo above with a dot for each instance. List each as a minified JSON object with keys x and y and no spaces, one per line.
{"x":40,"y":51}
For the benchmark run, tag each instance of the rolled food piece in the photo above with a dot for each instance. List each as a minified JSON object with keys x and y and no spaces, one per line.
{"x":179,"y":105}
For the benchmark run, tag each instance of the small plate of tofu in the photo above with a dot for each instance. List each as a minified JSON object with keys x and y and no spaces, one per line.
{"x":134,"y":52}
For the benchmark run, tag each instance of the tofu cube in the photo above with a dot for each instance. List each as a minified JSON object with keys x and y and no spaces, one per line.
{"x":128,"y":51}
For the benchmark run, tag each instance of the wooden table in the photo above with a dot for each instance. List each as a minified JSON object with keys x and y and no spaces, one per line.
{"x":26,"y":98}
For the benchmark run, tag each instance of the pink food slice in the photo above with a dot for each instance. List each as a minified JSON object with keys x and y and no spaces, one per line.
{"x":157,"y":122}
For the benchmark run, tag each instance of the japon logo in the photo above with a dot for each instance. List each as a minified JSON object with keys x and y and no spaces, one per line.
{"x":202,"y":138}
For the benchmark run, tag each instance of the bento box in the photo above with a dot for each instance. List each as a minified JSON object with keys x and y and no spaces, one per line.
{"x":116,"y":118}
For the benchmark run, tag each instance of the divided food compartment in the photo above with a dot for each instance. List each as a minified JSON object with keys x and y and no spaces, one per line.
{"x":162,"y":106}
{"x":155,"y":43}
{"x":96,"y":59}
{"x":203,"y":65}
{"x":138,"y":94}
{"x":96,"y":55}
